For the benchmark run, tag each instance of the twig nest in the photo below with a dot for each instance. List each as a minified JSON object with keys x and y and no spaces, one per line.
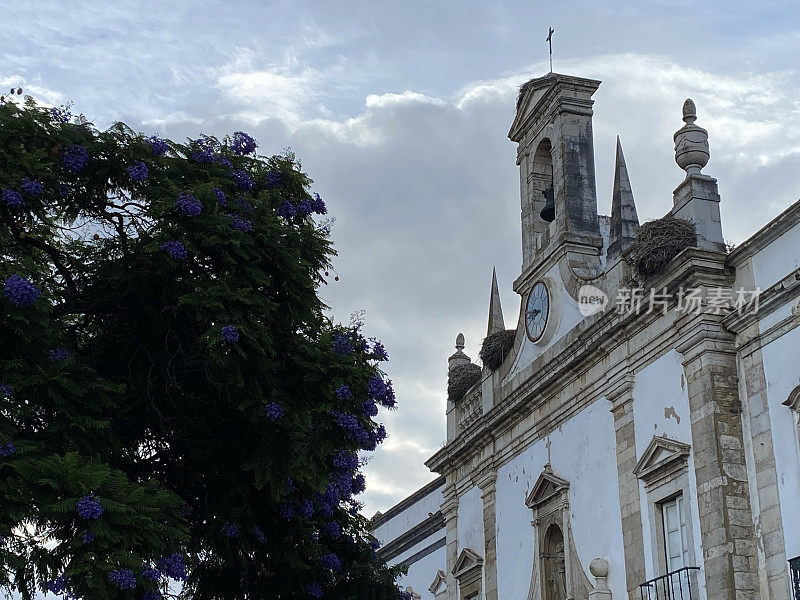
{"x":659,"y":241}
{"x":496,"y":346}
{"x":460,"y":378}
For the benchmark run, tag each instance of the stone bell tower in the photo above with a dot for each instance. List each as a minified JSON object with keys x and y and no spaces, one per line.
{"x":553,"y":127}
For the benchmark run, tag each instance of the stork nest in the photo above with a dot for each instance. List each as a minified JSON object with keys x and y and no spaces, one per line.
{"x":460,"y":378}
{"x":496,"y":346}
{"x":659,"y":241}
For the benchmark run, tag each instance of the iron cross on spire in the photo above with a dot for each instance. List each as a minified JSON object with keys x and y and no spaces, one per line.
{"x":549,"y":40}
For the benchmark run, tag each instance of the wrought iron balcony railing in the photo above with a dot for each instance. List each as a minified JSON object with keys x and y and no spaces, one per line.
{"x":794,"y":571}
{"x":676,"y":585}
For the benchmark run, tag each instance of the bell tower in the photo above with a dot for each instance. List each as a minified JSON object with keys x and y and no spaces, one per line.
{"x":553,"y":127}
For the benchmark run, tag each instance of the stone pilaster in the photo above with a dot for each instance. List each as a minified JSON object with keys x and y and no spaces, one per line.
{"x":769,"y":525}
{"x":450,"y":513}
{"x":621,"y":397}
{"x":487,"y":484}
{"x":726,"y":522}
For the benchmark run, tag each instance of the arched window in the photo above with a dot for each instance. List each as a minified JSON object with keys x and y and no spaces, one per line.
{"x":541,"y":180}
{"x":554,"y":573}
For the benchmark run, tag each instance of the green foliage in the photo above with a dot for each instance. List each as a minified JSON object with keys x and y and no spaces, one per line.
{"x":153,"y":410}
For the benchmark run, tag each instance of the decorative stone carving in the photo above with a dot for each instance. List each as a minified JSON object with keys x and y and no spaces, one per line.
{"x":557,"y":570}
{"x":468,"y":571}
{"x":662,"y":460}
{"x":691,"y":142}
{"x":439,"y":586}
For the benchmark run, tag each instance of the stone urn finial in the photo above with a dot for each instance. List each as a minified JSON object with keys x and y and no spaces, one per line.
{"x":691,"y":142}
{"x":460,"y":341}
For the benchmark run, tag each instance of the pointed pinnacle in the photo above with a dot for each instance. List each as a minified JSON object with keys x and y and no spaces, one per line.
{"x":624,"y":220}
{"x":496,"y":322}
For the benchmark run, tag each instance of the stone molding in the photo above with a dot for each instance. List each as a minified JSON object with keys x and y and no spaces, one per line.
{"x":766,"y":235}
{"x":406,"y":503}
{"x":663,"y":459}
{"x":413,"y":536}
{"x":468,"y":571}
{"x":793,"y":401}
{"x":439,"y":586}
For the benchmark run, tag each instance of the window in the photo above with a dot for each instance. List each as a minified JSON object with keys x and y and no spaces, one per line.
{"x":794,"y":571}
{"x":676,"y":538}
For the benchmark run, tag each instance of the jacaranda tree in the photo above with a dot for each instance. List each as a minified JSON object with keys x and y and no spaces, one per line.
{"x":177,"y":413}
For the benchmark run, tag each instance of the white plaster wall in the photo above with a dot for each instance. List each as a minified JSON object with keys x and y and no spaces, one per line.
{"x":470,"y":521}
{"x":661,"y":408}
{"x":782,"y":370}
{"x":421,"y":574}
{"x":583,"y":451}
{"x":413,"y":515}
{"x":778,"y":259}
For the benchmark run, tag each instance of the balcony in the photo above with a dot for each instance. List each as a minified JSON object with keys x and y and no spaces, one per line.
{"x":794,"y":571}
{"x":676,"y":585}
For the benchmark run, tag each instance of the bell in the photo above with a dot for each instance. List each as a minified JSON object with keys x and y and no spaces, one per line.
{"x":549,"y":211}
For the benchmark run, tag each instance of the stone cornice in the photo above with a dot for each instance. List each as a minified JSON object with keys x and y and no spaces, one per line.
{"x":766,"y":235}
{"x":584,"y":344}
{"x":412,"y":537}
{"x":407,"y":502}
{"x":774,"y":297}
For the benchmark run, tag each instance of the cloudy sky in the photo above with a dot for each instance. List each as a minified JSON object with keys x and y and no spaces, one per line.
{"x":399,"y":111}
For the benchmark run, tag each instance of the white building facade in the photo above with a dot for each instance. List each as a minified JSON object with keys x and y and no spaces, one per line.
{"x":639,"y":434}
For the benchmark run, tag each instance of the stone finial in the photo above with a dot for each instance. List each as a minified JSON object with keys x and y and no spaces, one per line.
{"x":496,"y":322}
{"x":458,"y":357}
{"x":624,"y":220}
{"x":691,"y":142}
{"x":599,"y":569}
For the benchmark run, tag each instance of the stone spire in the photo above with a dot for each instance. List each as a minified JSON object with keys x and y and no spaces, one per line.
{"x":496,"y":322}
{"x":458,"y":358}
{"x":624,"y":220}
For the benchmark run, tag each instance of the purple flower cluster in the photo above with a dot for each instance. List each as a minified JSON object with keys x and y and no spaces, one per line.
{"x":369,"y":408}
{"x":243,"y":143}
{"x":158,"y":147}
{"x":89,"y":507}
{"x":242,"y":180}
{"x":58,"y":354}
{"x":221,"y":199}
{"x":60,"y":585}
{"x":8,"y":449}
{"x":188,"y":205}
{"x":87,"y":537}
{"x":20,"y":292}
{"x":304,"y":208}
{"x":149,"y":573}
{"x":222,"y":160}
{"x":286,"y":511}
{"x":343,"y":392}
{"x":31,"y":186}
{"x":342,"y":344}
{"x":229,"y":334}
{"x":6,"y":390}
{"x":206,"y":147}
{"x":75,"y":158}
{"x":172,"y":566}
{"x":314,"y":590}
{"x":318,"y":205}
{"x":61,"y":114}
{"x":230,"y":530}
{"x":244,"y":205}
{"x":138,"y":171}
{"x":376,"y":388}
{"x":333,"y":530}
{"x":123,"y":578}
{"x":13,"y":198}
{"x":306,"y":509}
{"x":404,"y":595}
{"x":359,"y":484}
{"x":274,"y":410}
{"x":63,"y":190}
{"x":379,"y":351}
{"x":287,"y":210}
{"x":274,"y":178}
{"x":347,"y":461}
{"x":174,"y":249}
{"x":331,"y":562}
{"x":259,"y":535}
{"x":241,"y":224}
{"x":152,"y":595}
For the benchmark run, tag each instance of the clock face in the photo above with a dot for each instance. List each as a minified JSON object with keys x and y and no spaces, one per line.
{"x":537,"y":311}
